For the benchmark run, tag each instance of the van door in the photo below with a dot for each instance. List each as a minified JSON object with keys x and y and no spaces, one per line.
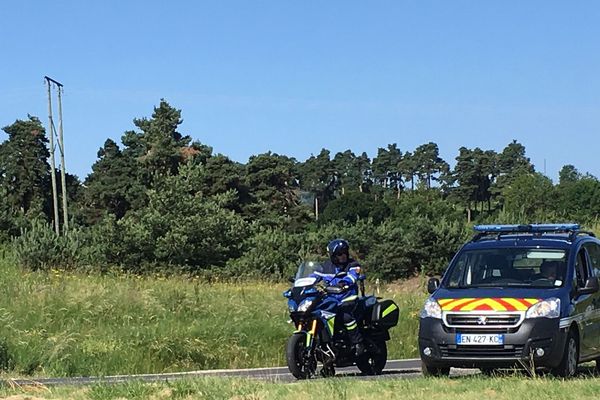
{"x":593,"y":252}
{"x":584,"y":307}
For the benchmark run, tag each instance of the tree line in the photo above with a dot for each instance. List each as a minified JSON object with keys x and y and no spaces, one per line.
{"x":159,"y":201}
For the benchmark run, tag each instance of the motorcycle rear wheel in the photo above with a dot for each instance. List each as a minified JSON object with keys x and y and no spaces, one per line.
{"x":373,"y":362}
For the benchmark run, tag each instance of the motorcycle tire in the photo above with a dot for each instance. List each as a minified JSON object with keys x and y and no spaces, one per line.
{"x":373,"y":362}
{"x":295,"y":351}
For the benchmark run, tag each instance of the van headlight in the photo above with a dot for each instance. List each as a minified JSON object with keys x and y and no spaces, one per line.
{"x":549,"y":308}
{"x":431,"y":309}
{"x":305,"y":305}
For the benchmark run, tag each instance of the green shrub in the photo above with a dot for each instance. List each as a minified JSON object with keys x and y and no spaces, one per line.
{"x":181,"y":227}
{"x":39,"y":248}
{"x":6,"y":359}
{"x":354,"y":206}
{"x":269,"y":253}
{"x":424,"y":247}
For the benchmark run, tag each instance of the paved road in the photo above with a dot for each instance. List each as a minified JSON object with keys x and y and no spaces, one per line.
{"x":394,"y":369}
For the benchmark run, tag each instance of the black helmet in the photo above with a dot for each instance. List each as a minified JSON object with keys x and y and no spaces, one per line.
{"x":337,"y":247}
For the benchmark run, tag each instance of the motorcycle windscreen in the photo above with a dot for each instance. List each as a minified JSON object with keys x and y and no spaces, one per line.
{"x":308,"y":268}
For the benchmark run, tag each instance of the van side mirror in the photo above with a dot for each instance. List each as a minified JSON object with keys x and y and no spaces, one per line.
{"x":432,"y":285}
{"x":591,"y":286}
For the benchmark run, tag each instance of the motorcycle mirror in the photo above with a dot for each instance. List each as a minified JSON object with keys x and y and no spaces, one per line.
{"x":291,"y":279}
{"x":333,"y":289}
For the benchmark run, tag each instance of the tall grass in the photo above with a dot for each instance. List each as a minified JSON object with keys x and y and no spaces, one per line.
{"x":595,"y":227}
{"x":465,"y":388}
{"x":61,"y":323}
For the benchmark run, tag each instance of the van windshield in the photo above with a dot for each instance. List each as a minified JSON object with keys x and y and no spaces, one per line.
{"x":520,"y":267}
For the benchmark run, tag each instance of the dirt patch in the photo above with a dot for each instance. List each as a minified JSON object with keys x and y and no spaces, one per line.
{"x":21,"y":397}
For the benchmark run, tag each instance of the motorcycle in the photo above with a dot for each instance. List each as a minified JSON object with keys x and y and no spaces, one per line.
{"x":320,"y":336}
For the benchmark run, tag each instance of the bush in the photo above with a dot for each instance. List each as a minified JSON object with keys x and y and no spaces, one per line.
{"x":39,"y":248}
{"x":529,"y":195}
{"x":269,"y":253}
{"x":181,"y":227}
{"x":425,"y":247}
{"x":354,"y":206}
{"x":6,"y":359}
{"x":428,"y":204}
{"x":361,"y":235}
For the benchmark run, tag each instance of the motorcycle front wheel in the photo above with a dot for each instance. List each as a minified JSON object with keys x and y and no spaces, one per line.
{"x":295,"y":355}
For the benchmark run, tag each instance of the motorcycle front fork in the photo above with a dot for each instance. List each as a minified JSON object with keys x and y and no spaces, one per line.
{"x":309,"y":349}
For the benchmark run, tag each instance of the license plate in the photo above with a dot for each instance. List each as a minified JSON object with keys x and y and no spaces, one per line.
{"x":471,"y":339}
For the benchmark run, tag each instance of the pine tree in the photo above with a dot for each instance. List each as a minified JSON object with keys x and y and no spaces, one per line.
{"x":428,"y":163}
{"x":352,"y":171}
{"x":113,"y":185}
{"x":24,"y":169}
{"x":273,"y":184}
{"x":160,"y":147}
{"x":386,"y":168}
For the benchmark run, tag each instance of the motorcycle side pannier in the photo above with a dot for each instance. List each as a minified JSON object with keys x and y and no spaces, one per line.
{"x":385,"y":314}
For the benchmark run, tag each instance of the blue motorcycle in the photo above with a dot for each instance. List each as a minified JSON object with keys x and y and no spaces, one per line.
{"x":320,"y":337}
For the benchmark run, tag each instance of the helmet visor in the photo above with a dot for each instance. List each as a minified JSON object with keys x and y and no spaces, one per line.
{"x":339,"y":251}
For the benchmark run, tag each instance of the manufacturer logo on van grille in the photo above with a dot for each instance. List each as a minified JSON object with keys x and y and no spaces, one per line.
{"x":475,"y":320}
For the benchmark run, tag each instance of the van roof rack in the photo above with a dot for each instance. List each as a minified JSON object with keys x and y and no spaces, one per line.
{"x":534,"y":229}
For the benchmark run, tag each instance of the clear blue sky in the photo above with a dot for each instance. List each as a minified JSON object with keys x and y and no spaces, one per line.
{"x":296,"y":76}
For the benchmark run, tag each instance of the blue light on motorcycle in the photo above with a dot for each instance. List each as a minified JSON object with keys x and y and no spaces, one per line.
{"x":287,"y":293}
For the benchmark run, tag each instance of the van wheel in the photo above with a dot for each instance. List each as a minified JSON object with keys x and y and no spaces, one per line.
{"x":429,"y":370}
{"x":568,"y":365}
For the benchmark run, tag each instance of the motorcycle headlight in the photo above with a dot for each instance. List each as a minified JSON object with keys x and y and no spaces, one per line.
{"x":291,"y":306}
{"x":431,"y":309}
{"x":549,"y":308}
{"x":305,"y":305}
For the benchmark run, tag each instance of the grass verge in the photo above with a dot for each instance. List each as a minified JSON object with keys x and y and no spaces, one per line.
{"x":470,"y":388}
{"x":69,"y":324}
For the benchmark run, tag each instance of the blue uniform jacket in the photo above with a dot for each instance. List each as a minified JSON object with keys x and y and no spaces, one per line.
{"x":329,"y":272}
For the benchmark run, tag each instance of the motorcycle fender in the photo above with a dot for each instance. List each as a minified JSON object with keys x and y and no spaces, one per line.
{"x":304,"y":334}
{"x":307,"y":336}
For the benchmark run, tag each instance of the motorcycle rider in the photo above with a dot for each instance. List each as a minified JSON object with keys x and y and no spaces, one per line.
{"x":340,"y":261}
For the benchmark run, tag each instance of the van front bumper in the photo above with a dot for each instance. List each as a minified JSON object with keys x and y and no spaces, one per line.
{"x":438,"y":348}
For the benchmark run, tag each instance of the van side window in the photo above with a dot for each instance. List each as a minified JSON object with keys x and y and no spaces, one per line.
{"x":593,"y":250}
{"x":581,"y":269}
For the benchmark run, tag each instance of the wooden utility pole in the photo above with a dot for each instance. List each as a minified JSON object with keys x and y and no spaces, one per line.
{"x":52,"y":164}
{"x":61,"y":148}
